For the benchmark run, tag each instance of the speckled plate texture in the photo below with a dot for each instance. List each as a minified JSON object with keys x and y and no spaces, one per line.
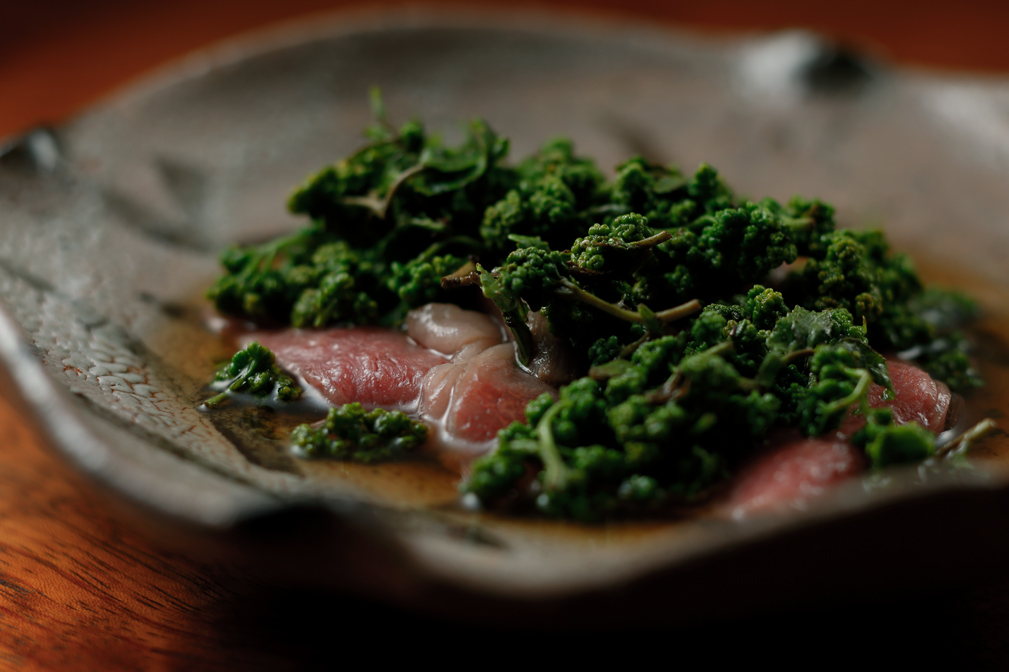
{"x":110,"y":226}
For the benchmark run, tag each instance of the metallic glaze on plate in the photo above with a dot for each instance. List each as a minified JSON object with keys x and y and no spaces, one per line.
{"x":110,"y":226}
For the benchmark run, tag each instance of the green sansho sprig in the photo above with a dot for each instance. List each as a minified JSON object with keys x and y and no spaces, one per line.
{"x":349,"y":432}
{"x":253,"y":371}
{"x":659,"y":282}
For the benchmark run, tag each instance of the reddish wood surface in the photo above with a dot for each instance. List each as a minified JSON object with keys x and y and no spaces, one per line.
{"x":84,"y":585}
{"x":80,"y":586}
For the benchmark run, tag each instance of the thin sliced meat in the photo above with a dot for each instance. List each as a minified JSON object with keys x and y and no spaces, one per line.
{"x":481,"y":390}
{"x":469,"y":392}
{"x":490,"y":393}
{"x":448,"y":328}
{"x":373,"y":366}
{"x":793,"y":469}
{"x":919,"y":399}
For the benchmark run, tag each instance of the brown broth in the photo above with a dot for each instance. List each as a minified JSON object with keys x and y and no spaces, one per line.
{"x":423,"y":482}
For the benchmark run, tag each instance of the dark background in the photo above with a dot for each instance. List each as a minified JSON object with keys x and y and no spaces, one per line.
{"x":58,"y":55}
{"x":84,"y":587}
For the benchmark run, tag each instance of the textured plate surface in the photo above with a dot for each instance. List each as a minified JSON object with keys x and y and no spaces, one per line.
{"x":110,"y":226}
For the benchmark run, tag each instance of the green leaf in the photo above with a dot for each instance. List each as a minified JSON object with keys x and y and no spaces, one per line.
{"x":871,"y":361}
{"x":450,"y":170}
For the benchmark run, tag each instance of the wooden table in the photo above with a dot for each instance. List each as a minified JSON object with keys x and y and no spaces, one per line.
{"x":83,"y":584}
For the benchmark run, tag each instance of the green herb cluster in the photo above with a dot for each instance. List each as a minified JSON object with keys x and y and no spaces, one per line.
{"x":674,"y":416}
{"x":351,"y":433}
{"x":394,"y":218}
{"x":679,"y":395}
{"x":253,"y":371}
{"x":371,"y":213}
{"x":657,"y":279}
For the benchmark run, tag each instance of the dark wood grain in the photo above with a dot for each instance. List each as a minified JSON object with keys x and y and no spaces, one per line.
{"x":87,"y":584}
{"x":80,"y":586}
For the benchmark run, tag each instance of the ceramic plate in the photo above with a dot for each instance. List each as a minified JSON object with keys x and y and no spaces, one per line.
{"x":110,"y":226}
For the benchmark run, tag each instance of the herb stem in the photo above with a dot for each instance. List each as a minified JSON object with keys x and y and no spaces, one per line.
{"x":963,"y":441}
{"x":464,"y":276}
{"x":652,"y":241}
{"x":573,"y":291}
{"x":858,"y":394}
{"x":217,"y":400}
{"x":525,"y":347}
{"x":556,"y":472}
{"x":797,"y":354}
{"x":381,"y":207}
{"x":680,"y":311}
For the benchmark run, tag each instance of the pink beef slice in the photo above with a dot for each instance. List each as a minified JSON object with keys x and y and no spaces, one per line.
{"x":490,"y":393}
{"x":481,"y":390}
{"x":451,"y":367}
{"x":448,"y":328}
{"x":793,"y":468}
{"x":376,"y":367}
{"x":919,"y":399}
